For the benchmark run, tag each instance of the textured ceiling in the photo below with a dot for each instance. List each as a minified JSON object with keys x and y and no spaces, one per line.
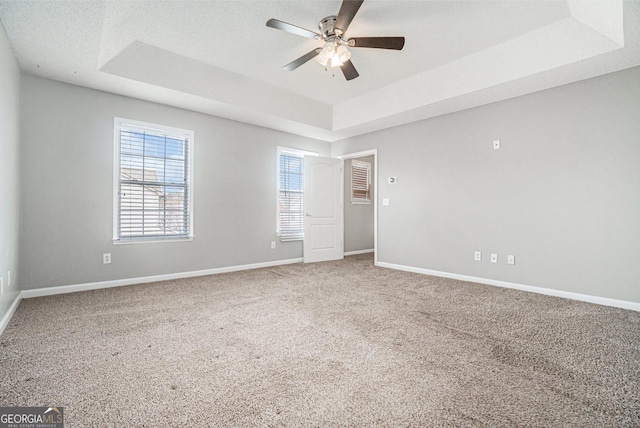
{"x":218,"y":57}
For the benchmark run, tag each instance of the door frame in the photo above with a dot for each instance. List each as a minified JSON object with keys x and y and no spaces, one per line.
{"x":373,"y":152}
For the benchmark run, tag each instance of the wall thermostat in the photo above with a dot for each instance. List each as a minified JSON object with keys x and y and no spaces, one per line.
{"x":392,"y":180}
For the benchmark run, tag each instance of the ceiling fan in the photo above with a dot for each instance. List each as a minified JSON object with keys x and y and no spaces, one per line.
{"x":335,"y":52}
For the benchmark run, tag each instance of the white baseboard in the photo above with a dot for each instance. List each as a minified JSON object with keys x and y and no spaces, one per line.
{"x":49,"y":291}
{"x":353,"y":253}
{"x":4,"y":322}
{"x":39,"y":292}
{"x":540,"y":290}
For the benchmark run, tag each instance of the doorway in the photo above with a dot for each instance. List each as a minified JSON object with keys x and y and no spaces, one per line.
{"x":360,"y":211}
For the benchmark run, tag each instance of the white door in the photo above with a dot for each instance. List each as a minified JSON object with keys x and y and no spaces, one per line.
{"x":323,"y":209}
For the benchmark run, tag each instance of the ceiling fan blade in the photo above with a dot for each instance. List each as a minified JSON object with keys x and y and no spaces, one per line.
{"x":293,"y":29}
{"x":304,"y":58}
{"x":348,"y":10}
{"x":396,"y":43}
{"x":349,"y":70}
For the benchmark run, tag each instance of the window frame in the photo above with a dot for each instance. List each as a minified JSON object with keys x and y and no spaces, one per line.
{"x":298,"y":153}
{"x":367,"y":165}
{"x":120,"y":123}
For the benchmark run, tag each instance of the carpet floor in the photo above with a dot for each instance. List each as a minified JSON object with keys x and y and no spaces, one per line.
{"x":340,"y":343}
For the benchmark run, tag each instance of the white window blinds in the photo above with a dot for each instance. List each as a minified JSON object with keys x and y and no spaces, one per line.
{"x":360,"y":182}
{"x":290,"y":195}
{"x":153,"y":185}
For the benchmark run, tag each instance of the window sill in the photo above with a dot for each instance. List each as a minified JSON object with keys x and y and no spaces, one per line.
{"x":291,"y":238}
{"x":151,"y":241}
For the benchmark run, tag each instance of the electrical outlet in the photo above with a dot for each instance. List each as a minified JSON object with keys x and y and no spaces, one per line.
{"x":106,"y":258}
{"x":478,"y":256}
{"x":511,"y":260}
{"x":494,"y":258}
{"x":273,"y":245}
{"x":496,"y":144}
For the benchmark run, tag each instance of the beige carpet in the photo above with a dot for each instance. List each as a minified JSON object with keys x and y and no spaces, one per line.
{"x":328,"y":344}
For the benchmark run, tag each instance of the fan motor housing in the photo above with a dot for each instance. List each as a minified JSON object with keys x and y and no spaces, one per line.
{"x":327,"y":26}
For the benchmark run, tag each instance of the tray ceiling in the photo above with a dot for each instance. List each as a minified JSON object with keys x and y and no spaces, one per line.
{"x":218,"y":57}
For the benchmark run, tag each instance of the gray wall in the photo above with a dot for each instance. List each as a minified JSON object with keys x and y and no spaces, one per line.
{"x":67,"y":189}
{"x":9,"y":174}
{"x":358,"y":218}
{"x":562,"y":195}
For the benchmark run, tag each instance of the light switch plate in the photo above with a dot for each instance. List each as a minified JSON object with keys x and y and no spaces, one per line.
{"x":478,"y":256}
{"x":494,"y":258}
{"x":496,"y":144}
{"x":511,"y":259}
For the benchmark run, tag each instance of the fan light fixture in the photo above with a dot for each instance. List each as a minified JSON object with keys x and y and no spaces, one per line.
{"x":335,"y":51}
{"x":333,"y":54}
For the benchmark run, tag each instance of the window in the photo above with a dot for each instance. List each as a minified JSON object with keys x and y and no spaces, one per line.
{"x":291,"y":193}
{"x":152,"y":182}
{"x":360,"y":182}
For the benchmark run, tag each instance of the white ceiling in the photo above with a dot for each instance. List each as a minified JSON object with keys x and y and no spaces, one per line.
{"x":218,"y":57}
